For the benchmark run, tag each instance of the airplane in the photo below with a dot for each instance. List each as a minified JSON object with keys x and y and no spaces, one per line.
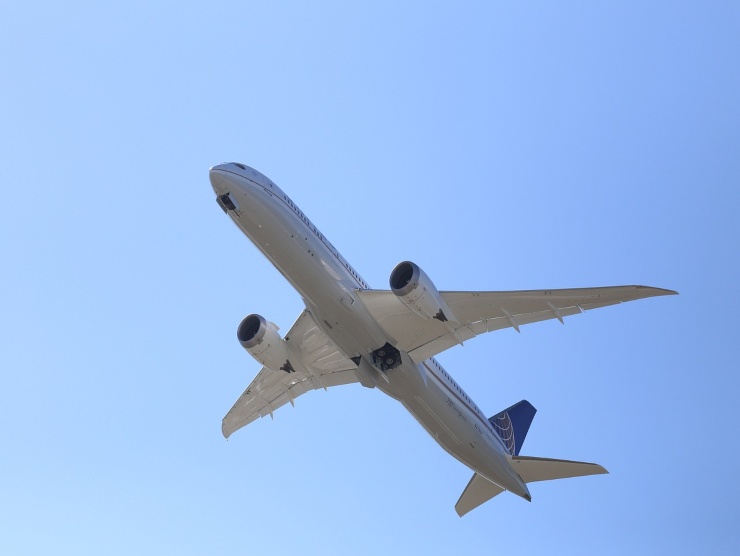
{"x":387,"y":339}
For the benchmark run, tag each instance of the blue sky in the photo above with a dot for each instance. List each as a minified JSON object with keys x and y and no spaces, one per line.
{"x":498,"y":145}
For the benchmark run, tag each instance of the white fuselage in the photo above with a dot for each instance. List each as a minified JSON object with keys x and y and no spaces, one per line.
{"x":327,"y":282}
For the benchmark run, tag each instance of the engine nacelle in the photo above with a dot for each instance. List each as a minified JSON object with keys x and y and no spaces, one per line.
{"x":263,"y":342}
{"x":415,"y":290}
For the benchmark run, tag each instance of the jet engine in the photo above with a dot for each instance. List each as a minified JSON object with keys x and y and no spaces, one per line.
{"x":263,"y":342}
{"x":415,"y":290}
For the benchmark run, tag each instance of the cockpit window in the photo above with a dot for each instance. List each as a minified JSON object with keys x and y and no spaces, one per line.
{"x":240,"y":165}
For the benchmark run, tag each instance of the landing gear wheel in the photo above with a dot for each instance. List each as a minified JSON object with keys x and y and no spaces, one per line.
{"x":387,"y":357}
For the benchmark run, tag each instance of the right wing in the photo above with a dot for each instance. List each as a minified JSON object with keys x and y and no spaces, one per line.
{"x":326,"y":366}
{"x":479,"y":312}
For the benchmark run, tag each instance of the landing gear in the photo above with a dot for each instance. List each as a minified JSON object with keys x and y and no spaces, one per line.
{"x":387,"y":357}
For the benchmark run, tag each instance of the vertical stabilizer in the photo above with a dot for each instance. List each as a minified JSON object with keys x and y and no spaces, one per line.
{"x":512,"y":425}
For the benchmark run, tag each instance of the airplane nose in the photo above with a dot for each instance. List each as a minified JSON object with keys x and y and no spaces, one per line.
{"x":216,"y":175}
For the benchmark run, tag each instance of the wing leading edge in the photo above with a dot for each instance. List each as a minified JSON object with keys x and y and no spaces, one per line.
{"x":480,"y":312}
{"x":273,"y":389}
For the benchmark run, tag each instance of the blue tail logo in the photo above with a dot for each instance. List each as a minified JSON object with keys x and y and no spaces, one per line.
{"x":512,"y":425}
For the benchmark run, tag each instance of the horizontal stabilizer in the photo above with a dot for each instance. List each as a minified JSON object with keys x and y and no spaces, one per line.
{"x":532,"y":469}
{"x":478,"y":491}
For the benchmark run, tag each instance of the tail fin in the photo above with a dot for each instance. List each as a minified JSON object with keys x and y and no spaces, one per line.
{"x":512,"y":425}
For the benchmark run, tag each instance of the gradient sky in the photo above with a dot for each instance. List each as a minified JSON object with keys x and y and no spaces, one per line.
{"x":499,"y":145}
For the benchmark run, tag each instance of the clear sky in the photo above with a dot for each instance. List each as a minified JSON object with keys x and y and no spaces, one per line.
{"x":499,"y":145}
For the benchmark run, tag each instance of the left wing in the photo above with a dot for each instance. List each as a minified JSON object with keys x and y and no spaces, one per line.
{"x":272,"y":389}
{"x":479,"y":312}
